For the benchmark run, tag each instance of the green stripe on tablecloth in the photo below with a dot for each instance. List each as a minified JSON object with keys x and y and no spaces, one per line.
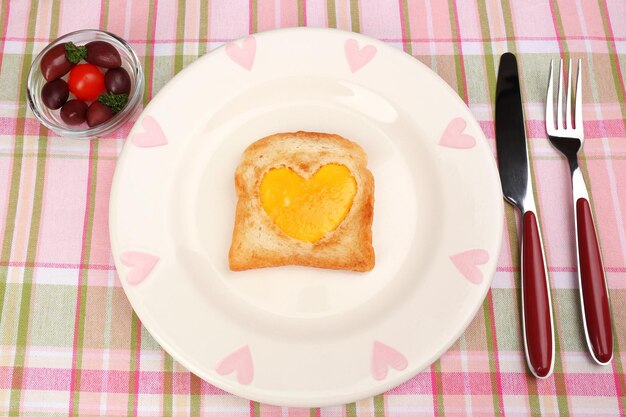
{"x":379,"y":406}
{"x":301,"y":13}
{"x":331,"y":12}
{"x":148,"y":61}
{"x":355,"y":17}
{"x":441,"y":409}
{"x":256,"y":409}
{"x":54,"y":20}
{"x":31,"y":251}
{"x":406,"y":27}
{"x":203,"y":32}
{"x":254,"y":16}
{"x":180,"y":34}
{"x":168,"y":384}
{"x":3,"y":14}
{"x":84,"y":276}
{"x":105,"y":16}
{"x":135,"y":346}
{"x":491,"y":336}
{"x":61,"y":156}
{"x":613,"y":57}
{"x":615,"y":70}
{"x":350,"y":410}
{"x":314,"y":412}
{"x":195,"y":400}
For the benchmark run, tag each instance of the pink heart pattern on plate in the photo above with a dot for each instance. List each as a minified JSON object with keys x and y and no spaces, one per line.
{"x":453,"y":136}
{"x":385,"y":357}
{"x":467,"y":263}
{"x":152,"y":134}
{"x":240,"y":362}
{"x":141,"y":265}
{"x":243,"y":55}
{"x":358,"y":57}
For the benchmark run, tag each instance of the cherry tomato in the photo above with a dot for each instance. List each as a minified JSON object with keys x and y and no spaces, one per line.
{"x":86,"y":82}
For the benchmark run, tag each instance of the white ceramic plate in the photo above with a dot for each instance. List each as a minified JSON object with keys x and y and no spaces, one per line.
{"x":293,"y":335}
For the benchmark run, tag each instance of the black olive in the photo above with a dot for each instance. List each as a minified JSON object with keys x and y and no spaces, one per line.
{"x":103,"y":54}
{"x":98,"y":113}
{"x":117,"y":81}
{"x":73,"y":112}
{"x":55,"y":93}
{"x":54,"y":63}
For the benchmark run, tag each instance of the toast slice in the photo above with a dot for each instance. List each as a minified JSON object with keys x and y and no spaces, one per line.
{"x":257,"y":240}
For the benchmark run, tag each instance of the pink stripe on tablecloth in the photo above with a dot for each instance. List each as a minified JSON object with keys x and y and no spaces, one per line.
{"x":57,"y":265}
{"x":433,"y":389}
{"x":373,"y":12}
{"x":288,"y":13}
{"x":8,"y":126}
{"x":6,"y":167}
{"x":66,"y":180}
{"x":266,"y":15}
{"x":74,"y":16}
{"x":402,"y":17}
{"x":298,"y":412}
{"x":591,"y":384}
{"x":594,"y":129}
{"x":94,"y":380}
{"x":138,"y":367}
{"x":316,"y":15}
{"x":421,"y":384}
{"x":100,"y":239}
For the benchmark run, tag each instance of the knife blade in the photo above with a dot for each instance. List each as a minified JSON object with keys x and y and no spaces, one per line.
{"x":517,"y":187}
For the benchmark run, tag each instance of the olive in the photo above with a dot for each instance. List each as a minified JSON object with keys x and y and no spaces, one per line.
{"x":117,"y":81}
{"x":54,"y":63}
{"x":73,"y":112}
{"x":103,"y":54}
{"x":55,"y":93}
{"x":98,"y":113}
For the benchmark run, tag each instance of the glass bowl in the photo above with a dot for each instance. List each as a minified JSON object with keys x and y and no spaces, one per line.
{"x":52,"y":119}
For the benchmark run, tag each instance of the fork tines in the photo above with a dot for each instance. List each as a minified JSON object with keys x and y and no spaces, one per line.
{"x":571,"y":121}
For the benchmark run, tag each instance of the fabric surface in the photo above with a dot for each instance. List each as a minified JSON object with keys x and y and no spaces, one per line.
{"x":70,"y":344}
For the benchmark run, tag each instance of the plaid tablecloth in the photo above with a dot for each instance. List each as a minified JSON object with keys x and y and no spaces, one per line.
{"x":70,"y":344}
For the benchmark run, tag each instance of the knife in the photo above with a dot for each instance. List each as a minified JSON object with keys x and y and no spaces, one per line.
{"x":537,"y":323}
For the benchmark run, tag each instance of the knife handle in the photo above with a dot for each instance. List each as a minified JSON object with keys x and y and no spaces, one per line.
{"x":593,"y":288}
{"x":536,"y":303}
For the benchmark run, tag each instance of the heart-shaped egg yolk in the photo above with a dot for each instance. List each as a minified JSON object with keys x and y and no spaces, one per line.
{"x":307,"y":209}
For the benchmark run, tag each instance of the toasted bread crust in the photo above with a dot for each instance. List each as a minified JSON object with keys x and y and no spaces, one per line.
{"x":259,"y":243}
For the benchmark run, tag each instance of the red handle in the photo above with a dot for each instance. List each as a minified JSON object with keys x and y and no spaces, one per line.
{"x":537,"y":314}
{"x":593,"y":286}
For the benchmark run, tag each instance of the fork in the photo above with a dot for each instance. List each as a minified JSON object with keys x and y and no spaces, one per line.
{"x":568,"y":137}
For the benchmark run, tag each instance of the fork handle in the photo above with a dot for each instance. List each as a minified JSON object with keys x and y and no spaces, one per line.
{"x":593,"y":289}
{"x":536,"y":303}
